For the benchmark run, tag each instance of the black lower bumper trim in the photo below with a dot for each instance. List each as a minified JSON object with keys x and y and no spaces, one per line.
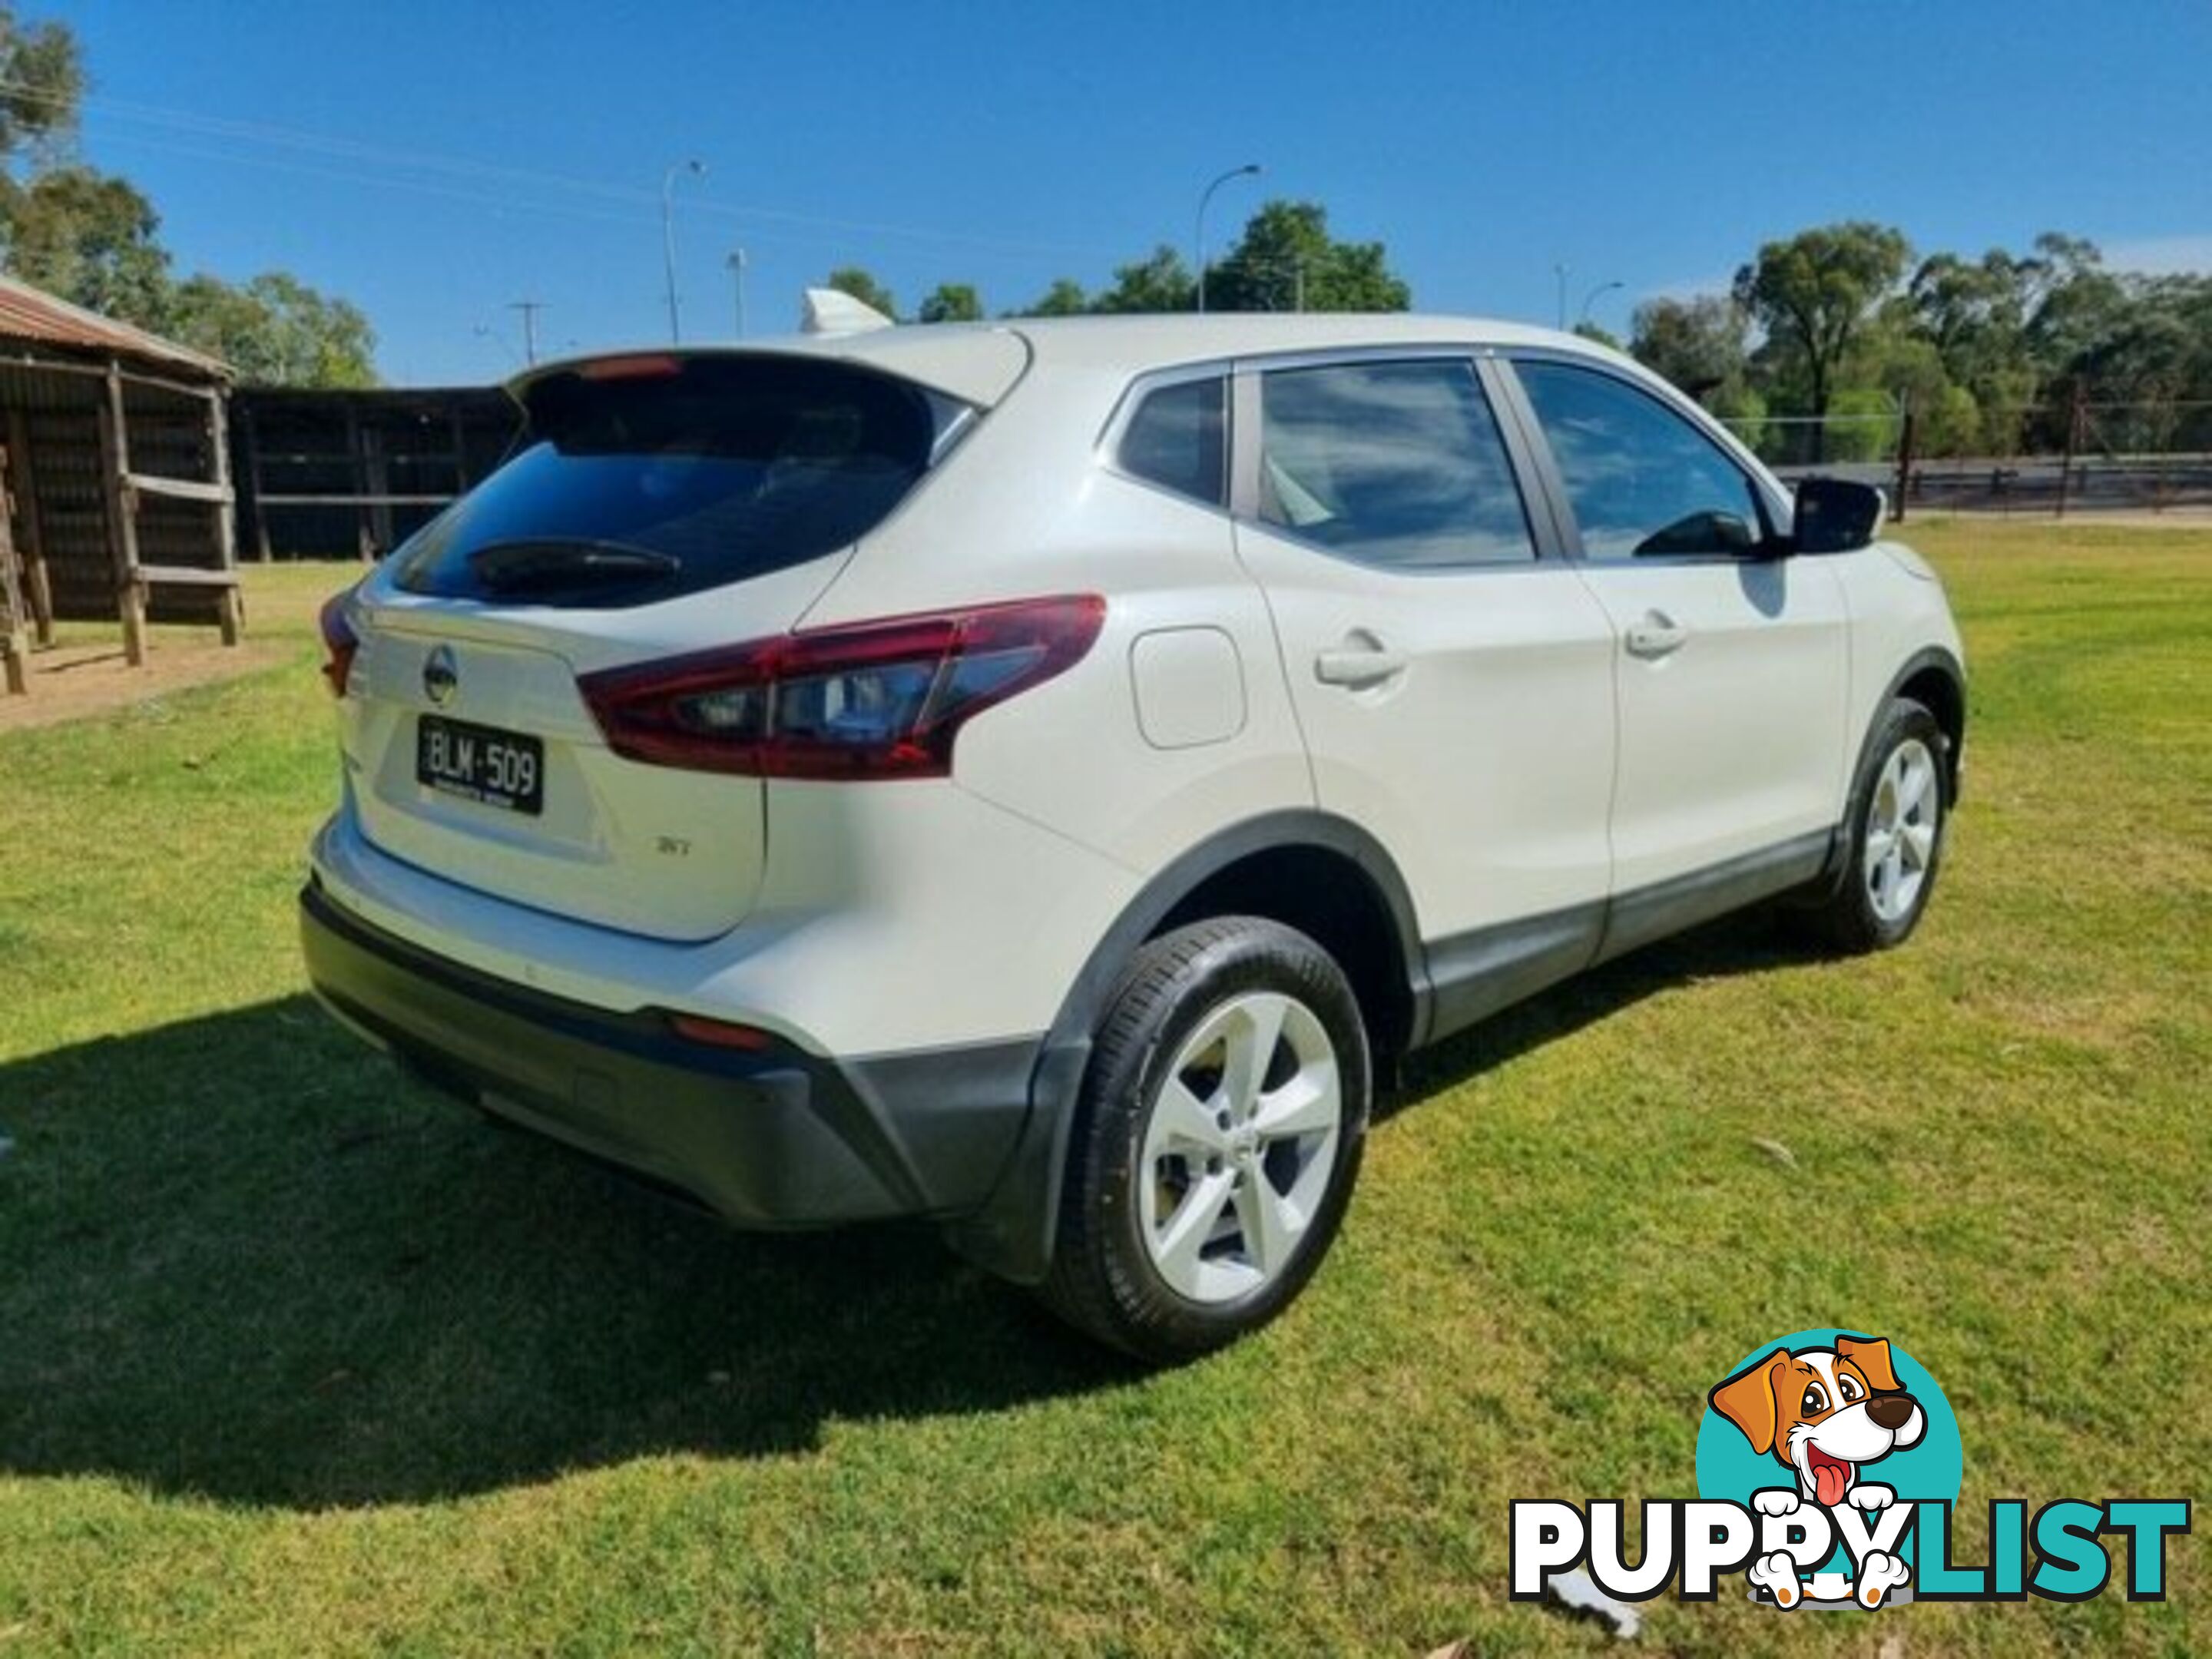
{"x":779,"y":1138}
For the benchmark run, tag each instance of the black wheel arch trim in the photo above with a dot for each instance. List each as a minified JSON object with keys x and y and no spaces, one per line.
{"x":1012,"y":1235}
{"x":1291,"y":830}
{"x":1935,"y":657}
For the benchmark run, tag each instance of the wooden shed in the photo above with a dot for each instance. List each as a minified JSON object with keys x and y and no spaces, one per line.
{"x":326,"y":474}
{"x":114,"y":448}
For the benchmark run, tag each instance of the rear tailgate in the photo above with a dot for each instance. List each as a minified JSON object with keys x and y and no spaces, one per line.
{"x":656,"y":850}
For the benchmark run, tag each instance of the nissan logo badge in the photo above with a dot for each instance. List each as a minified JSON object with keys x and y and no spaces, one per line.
{"x":441,"y":679}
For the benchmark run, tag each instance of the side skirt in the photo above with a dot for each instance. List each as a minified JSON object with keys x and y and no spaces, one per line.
{"x":1475,"y":974}
{"x":1653,"y":913}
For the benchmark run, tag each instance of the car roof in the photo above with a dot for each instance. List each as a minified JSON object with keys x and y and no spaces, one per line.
{"x":980,"y":362}
{"x":1144,"y":341}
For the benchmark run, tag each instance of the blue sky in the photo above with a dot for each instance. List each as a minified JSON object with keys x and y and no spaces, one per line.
{"x":435,"y":162}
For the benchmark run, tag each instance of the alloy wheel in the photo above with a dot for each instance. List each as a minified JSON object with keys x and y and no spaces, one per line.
{"x":1902,"y":824}
{"x":1239,"y":1146}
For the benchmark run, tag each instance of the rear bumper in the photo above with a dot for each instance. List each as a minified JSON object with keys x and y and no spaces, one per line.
{"x":776,"y":1138}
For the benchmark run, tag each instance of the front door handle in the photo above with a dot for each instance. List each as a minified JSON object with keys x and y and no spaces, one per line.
{"x":1365,"y":664}
{"x":1657,"y":636}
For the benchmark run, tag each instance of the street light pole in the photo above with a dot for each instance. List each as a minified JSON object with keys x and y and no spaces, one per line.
{"x":698,"y":170}
{"x":736,"y":264}
{"x":1250,"y":169}
{"x":1591,"y":299}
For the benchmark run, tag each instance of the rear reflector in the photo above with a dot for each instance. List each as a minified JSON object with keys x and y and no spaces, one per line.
{"x":873,"y":700}
{"x":339,"y":642}
{"x":720,"y":1033}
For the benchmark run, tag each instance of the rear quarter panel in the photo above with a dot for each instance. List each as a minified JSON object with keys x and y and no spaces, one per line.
{"x":1027,"y":508}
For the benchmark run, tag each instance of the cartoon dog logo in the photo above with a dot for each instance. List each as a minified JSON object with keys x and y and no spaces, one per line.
{"x":1825,"y":1414}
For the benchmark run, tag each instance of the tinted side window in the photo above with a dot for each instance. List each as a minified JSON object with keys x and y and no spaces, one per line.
{"x":1176,"y":440}
{"x":1642,"y":481}
{"x":1395,"y":463}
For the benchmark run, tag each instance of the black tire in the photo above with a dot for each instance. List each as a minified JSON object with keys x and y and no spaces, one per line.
{"x":1104,"y":1279}
{"x":1850,"y":919}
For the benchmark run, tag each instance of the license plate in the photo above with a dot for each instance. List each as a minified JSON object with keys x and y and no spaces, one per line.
{"x":482,"y":763}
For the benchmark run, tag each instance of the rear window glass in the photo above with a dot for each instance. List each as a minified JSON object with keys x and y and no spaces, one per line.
{"x":1174,"y":439}
{"x":634,"y":489}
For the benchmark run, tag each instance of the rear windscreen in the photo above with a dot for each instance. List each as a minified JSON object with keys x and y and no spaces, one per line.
{"x":674,"y":474}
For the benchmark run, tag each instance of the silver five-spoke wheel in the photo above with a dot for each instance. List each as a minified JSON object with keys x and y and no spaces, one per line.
{"x":1239,"y":1146}
{"x":1224,"y":1112}
{"x":1901,"y":830}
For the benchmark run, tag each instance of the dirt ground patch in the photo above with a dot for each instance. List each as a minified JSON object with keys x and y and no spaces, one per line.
{"x":83,"y":674}
{"x":71,"y":679}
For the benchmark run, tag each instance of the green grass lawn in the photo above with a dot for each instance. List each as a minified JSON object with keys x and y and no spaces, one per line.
{"x":294,"y":1358}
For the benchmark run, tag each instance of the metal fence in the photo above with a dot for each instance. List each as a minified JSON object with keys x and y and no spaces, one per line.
{"x":2081,"y":456}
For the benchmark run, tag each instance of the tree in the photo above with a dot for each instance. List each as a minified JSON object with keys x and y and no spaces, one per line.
{"x":1286,"y":260}
{"x":1975,"y":315}
{"x":1972,"y":312}
{"x":1697,"y":344}
{"x":2097,"y":334}
{"x":1738,"y":404}
{"x":1866,"y":426}
{"x":2060,"y":262}
{"x":1813,"y":293}
{"x":275,"y":331}
{"x":1161,"y":283}
{"x":951,"y":302}
{"x":851,"y":279}
{"x":1892,"y":357}
{"x":41,"y":83}
{"x":1952,"y":425}
{"x":2147,"y":358}
{"x":90,"y":237}
{"x":2077,"y":303}
{"x":1064,"y":298}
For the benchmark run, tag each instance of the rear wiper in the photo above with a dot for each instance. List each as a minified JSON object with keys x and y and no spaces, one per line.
{"x":520,"y":566}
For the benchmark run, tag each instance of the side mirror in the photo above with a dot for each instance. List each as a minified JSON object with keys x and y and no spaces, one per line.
{"x":1835,"y":515}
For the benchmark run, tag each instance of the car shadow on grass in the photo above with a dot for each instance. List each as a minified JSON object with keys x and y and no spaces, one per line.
{"x":242,"y":1260}
{"x":245,"y":1262}
{"x":1747,"y":942}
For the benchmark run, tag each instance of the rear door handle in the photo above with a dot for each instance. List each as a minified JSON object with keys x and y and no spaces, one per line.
{"x":1657,"y":636}
{"x":1357,"y":665}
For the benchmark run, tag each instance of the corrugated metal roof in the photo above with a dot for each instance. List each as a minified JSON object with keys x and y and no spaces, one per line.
{"x":29,"y":313}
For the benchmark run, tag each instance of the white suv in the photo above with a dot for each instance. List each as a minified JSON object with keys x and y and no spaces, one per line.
{"x":1038,"y":777}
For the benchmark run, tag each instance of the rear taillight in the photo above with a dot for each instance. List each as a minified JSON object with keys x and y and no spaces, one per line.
{"x":339,"y":642}
{"x":874,"y":699}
